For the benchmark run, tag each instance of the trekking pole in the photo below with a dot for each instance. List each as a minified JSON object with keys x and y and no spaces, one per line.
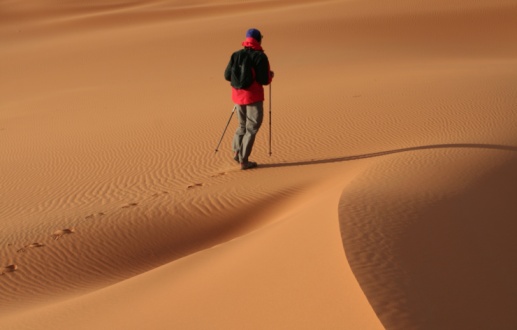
{"x":217,"y":148}
{"x":269,"y":119}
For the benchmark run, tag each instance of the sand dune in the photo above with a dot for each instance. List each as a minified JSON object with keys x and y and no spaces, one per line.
{"x":387,"y":201}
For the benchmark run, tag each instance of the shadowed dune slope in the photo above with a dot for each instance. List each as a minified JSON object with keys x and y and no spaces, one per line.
{"x":435,"y":249}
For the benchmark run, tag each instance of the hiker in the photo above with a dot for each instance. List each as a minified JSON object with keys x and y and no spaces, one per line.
{"x":248,"y":98}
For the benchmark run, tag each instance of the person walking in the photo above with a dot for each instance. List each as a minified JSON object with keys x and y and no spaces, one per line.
{"x":249,"y":101}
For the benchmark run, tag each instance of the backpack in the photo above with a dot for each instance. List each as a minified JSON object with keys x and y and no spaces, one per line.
{"x":241,"y":72}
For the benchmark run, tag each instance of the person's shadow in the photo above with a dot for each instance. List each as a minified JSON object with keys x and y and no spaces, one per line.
{"x":395,"y":151}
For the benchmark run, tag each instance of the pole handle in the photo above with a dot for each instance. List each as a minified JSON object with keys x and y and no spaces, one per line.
{"x":270,"y":120}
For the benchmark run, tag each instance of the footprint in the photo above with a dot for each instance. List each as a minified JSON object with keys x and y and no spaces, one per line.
{"x":129,"y":205}
{"x":35,"y":245}
{"x":91,"y":216}
{"x":160,"y":193}
{"x":194,"y":185}
{"x":30,"y":246}
{"x":218,"y":174}
{"x":9,"y":269}
{"x":60,"y":233}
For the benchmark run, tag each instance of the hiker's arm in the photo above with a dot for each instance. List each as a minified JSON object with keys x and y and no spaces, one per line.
{"x":263,"y":74}
{"x":228,"y":71}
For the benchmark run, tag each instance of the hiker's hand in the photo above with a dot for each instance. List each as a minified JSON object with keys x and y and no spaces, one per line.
{"x":272,"y":74}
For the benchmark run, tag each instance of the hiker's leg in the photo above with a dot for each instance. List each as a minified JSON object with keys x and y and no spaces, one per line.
{"x":241,"y":129}
{"x":254,"y":116}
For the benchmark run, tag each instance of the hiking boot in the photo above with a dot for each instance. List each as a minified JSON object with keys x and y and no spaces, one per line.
{"x":248,"y":165}
{"x":236,"y":157}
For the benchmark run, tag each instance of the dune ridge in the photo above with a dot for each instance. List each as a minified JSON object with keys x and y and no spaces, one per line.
{"x":387,"y":201}
{"x":439,"y":256}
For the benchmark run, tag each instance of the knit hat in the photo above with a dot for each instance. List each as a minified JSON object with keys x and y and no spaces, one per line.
{"x":255,"y":34}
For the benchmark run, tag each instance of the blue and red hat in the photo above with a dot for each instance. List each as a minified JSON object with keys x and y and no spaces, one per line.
{"x":255,"y":34}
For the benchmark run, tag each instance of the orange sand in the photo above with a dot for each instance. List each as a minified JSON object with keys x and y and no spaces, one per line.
{"x":388,"y":200}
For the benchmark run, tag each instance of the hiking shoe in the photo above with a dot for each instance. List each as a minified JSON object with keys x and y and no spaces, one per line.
{"x":248,"y":165}
{"x":236,"y":157}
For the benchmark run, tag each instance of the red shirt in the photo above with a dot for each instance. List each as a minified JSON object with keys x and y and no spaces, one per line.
{"x":255,"y":92}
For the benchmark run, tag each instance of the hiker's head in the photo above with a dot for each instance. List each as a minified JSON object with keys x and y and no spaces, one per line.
{"x":255,"y":34}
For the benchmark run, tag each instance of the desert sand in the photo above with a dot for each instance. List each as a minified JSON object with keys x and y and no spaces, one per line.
{"x":387,"y":202}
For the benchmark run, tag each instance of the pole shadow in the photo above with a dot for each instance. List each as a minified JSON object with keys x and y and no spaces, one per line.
{"x":390,"y":152}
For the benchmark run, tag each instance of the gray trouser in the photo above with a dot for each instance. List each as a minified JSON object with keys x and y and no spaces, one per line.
{"x":250,"y":118}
